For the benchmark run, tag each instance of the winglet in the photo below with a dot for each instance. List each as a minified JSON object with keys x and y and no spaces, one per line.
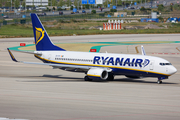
{"x":143,"y":51}
{"x":12,"y":56}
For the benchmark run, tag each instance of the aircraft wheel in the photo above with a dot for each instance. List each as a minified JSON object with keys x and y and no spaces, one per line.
{"x":86,"y":78}
{"x":159,"y":81}
{"x":110,"y":77}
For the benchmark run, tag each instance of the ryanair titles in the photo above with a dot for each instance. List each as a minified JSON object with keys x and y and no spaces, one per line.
{"x":136,"y":62}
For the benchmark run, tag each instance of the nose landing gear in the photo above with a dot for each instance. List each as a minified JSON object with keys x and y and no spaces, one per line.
{"x":159,"y":81}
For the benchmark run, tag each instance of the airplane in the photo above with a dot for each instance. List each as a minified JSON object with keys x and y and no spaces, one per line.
{"x":96,"y":66}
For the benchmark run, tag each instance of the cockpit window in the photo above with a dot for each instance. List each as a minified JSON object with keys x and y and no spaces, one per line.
{"x":165,"y":64}
{"x":168,"y":63}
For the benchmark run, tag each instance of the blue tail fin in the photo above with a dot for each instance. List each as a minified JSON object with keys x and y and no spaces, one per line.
{"x":42,"y":40}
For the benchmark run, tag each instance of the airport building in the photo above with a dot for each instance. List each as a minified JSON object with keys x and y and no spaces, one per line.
{"x":37,"y":2}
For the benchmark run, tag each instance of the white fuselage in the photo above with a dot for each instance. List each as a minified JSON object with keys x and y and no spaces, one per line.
{"x":125,"y":64}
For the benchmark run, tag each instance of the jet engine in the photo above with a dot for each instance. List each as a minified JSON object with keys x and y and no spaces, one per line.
{"x":97,"y":74}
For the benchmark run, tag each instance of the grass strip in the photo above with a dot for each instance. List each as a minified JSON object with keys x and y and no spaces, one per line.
{"x":26,"y":31}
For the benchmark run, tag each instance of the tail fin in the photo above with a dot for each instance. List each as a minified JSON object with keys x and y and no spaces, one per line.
{"x":42,"y":40}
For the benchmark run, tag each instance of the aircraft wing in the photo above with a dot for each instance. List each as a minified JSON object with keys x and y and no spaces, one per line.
{"x":58,"y":65}
{"x":49,"y":64}
{"x":29,"y":52}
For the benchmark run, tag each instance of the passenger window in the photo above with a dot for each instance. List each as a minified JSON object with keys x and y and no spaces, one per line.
{"x":165,"y":64}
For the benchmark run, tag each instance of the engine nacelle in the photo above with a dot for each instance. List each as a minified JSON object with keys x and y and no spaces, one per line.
{"x":97,"y":73}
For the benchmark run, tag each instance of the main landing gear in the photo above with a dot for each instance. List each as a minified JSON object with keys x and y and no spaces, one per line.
{"x":110,"y":77}
{"x":86,"y":78}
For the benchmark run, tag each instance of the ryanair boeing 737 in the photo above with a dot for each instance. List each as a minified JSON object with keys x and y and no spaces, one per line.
{"x":101,"y":66}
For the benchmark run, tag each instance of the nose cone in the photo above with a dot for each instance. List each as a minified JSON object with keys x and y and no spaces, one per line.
{"x":172,"y":70}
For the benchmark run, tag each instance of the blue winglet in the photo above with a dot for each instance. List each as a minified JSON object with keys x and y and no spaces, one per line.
{"x":12,"y":56}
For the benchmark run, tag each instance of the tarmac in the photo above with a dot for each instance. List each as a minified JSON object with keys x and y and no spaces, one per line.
{"x":37,"y":92}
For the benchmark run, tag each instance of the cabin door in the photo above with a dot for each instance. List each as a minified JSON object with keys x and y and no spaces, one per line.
{"x":151,"y":66}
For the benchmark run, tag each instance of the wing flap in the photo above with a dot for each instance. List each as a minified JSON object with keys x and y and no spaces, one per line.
{"x":59,"y":65}
{"x":29,"y":52}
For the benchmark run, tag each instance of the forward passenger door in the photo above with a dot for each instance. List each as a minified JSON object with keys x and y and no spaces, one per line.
{"x":151,"y":65}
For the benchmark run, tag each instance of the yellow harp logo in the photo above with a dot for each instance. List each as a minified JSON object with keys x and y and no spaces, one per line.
{"x":39,"y":35}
